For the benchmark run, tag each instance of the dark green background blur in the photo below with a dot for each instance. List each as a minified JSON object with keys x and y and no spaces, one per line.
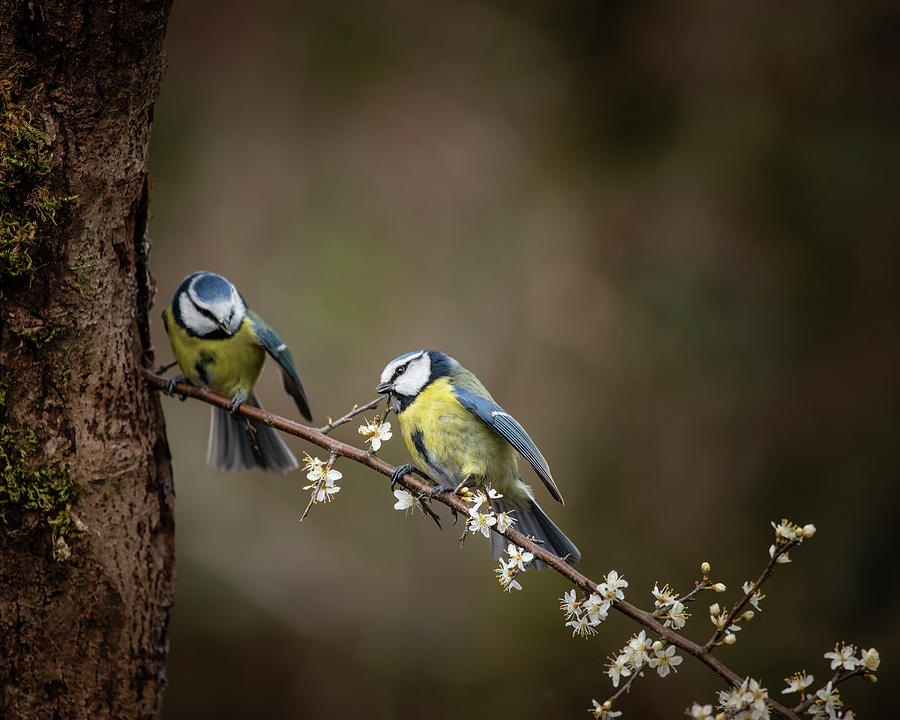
{"x":663,"y":235}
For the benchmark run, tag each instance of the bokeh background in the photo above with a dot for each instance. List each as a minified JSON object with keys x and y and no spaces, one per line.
{"x":665,"y":237}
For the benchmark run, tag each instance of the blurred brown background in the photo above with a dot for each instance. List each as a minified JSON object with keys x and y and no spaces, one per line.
{"x":663,"y":235}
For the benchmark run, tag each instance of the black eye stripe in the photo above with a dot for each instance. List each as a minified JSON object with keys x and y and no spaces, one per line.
{"x":206,"y":312}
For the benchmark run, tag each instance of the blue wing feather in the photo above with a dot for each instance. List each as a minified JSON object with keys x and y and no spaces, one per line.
{"x":505,"y":425}
{"x":279,"y":352}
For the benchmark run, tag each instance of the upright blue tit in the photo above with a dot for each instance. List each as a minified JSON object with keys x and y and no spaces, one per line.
{"x":456,"y":434}
{"x":221,"y":344}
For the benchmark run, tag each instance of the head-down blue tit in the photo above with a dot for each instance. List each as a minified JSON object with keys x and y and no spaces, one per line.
{"x":456,"y":434}
{"x":220,"y":344}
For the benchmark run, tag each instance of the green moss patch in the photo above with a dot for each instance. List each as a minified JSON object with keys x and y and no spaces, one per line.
{"x":27,"y":203}
{"x":32,"y":493}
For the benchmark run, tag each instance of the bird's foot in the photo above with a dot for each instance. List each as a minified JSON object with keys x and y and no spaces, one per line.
{"x":454,"y":489}
{"x":171,"y":390}
{"x":402,"y":470}
{"x":236,"y":402}
{"x":438,"y":489}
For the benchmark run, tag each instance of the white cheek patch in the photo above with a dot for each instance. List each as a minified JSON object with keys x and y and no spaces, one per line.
{"x":193,"y":319}
{"x":416,"y":376}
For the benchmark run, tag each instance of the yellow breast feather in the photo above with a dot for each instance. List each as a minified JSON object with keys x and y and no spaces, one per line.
{"x":446,"y":440}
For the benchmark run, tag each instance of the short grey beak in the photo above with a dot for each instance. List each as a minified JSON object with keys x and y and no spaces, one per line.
{"x":383,"y":388}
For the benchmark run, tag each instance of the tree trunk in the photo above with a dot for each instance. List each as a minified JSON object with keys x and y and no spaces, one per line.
{"x":86,"y":496}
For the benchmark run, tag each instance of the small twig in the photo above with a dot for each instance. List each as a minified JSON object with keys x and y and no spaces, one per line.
{"x":639,"y":672}
{"x":357,"y":409}
{"x":742,"y":602}
{"x":698,"y":587}
{"x":165,"y":368}
{"x":312,"y":499}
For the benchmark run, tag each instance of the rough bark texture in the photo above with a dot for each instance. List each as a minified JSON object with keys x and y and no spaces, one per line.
{"x":84,"y":595}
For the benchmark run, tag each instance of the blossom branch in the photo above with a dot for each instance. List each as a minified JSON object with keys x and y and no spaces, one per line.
{"x":423,"y":490}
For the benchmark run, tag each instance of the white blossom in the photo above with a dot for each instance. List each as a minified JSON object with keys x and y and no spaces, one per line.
{"x":828,"y":702}
{"x":481,"y":522}
{"x":677,"y":615}
{"x":405,"y":499}
{"x":843,"y":656}
{"x":637,"y":649}
{"x":570,"y":605}
{"x":519,"y":557}
{"x":376,"y":432}
{"x":665,"y":660}
{"x":617,"y":669}
{"x":504,"y":521}
{"x":755,"y":597}
{"x":799,"y":681}
{"x":870,"y":659}
{"x":700,"y":712}
{"x":785,"y":530}
{"x":596,"y":608}
{"x":747,"y":701}
{"x":603,"y":711}
{"x":506,"y":575}
{"x":664,"y":597}
{"x":322,"y":479}
{"x":611,"y":589}
{"x":581,"y":625}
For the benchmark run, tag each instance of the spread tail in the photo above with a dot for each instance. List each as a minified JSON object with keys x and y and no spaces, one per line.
{"x":236,"y":443}
{"x":534,"y":522}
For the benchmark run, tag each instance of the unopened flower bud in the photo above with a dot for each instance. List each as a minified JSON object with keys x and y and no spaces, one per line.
{"x":729,"y":639}
{"x":714,"y":609}
{"x":748,"y":615}
{"x":809,"y":530}
{"x":657,"y":646}
{"x":719,"y":587}
{"x":607,"y":705}
{"x":704,"y":568}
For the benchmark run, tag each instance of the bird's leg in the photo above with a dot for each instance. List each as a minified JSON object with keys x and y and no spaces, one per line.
{"x":170,"y":386}
{"x":468,"y":480}
{"x":402,"y":470}
{"x":237,"y":401}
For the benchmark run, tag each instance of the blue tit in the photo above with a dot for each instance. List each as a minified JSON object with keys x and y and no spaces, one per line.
{"x":220,"y":344}
{"x":458,"y":436}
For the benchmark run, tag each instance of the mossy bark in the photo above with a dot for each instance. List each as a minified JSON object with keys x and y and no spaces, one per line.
{"x":87,"y":569}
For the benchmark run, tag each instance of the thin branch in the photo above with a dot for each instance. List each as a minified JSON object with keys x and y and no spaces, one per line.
{"x":698,"y":586}
{"x":318,"y":437}
{"x":357,"y":409}
{"x":312,"y":499}
{"x":742,"y":602}
{"x":626,"y":686}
